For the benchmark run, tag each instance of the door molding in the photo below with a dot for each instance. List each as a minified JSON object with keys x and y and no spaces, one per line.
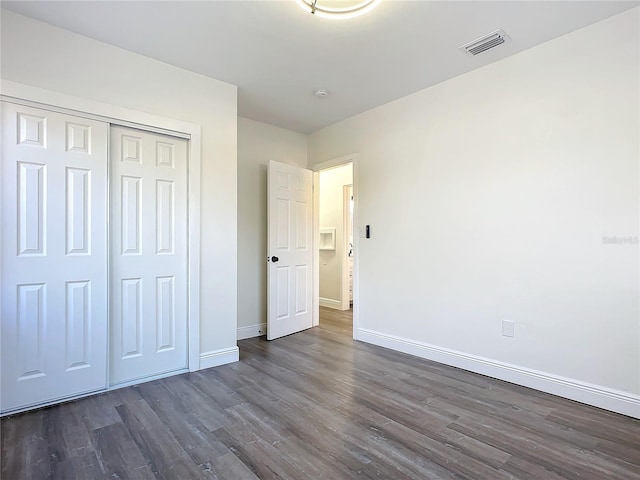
{"x":63,"y":103}
{"x":353,"y":159}
{"x":347,"y":218}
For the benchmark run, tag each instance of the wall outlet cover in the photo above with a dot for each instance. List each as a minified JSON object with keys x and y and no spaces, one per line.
{"x":508,"y":328}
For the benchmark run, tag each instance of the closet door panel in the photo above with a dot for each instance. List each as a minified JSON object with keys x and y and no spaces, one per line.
{"x":54,"y":254}
{"x":149,"y":254}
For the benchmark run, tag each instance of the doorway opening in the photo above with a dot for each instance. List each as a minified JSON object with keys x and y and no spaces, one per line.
{"x":98,"y":333}
{"x":336,"y":245}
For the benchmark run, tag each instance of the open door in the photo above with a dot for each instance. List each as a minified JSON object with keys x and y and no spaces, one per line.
{"x":289,"y":250}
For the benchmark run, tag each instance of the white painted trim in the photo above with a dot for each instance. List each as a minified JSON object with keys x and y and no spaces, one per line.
{"x":215,"y":358}
{"x":250,"y":331}
{"x":193,"y":221}
{"x":345,"y":301}
{"x":356,"y":245}
{"x":334,"y":163}
{"x":595,"y":395}
{"x":316,"y":249}
{"x":89,"y":108}
{"x":91,"y":116}
{"x":330,"y":303}
{"x":125,"y":116}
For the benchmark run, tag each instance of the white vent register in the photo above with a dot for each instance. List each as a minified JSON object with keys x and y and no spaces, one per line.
{"x":485,"y":43}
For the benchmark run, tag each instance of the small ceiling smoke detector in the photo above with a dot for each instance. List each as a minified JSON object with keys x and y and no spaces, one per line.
{"x":484,"y":43}
{"x":321,"y":93}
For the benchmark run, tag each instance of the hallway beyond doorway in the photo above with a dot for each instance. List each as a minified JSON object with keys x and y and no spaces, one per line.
{"x":340,"y":321}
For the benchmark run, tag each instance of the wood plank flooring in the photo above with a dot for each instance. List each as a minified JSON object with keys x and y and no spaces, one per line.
{"x":317,"y":405}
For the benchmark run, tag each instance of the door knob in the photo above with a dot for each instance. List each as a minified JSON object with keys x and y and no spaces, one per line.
{"x":274,"y":259}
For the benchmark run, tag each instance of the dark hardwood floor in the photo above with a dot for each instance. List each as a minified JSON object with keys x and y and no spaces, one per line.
{"x":318,"y":405}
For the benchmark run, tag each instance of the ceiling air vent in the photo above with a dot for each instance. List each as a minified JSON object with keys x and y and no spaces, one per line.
{"x":483,"y":44}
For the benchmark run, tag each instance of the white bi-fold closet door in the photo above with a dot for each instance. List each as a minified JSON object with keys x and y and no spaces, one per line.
{"x":85,"y":306}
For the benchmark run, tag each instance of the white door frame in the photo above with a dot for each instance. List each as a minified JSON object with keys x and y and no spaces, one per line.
{"x":347,"y":217}
{"x":37,"y":97}
{"x":353,"y":159}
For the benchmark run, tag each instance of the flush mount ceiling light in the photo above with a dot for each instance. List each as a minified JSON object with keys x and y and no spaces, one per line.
{"x":338,"y":9}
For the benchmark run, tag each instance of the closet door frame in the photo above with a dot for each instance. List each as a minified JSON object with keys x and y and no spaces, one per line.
{"x":68,"y":104}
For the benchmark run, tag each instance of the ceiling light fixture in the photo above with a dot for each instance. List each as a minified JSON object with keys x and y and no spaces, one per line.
{"x":338,"y":9}
{"x":321,"y":93}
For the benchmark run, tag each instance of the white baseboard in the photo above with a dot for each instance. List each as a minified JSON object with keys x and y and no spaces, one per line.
{"x":595,"y":395}
{"x":330,"y":303}
{"x":215,"y":358}
{"x":252,"y":331}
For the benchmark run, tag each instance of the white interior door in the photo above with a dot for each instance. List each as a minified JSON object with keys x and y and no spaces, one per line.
{"x":54,"y":256}
{"x":148,"y":254}
{"x":290,"y":250}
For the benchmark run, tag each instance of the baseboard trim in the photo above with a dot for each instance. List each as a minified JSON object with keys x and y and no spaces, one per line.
{"x":215,"y":358}
{"x":251,"y":331}
{"x":330,"y":303}
{"x":595,"y":395}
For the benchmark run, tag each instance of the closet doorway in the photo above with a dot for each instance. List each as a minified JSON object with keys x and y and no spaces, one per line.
{"x":94,"y":255}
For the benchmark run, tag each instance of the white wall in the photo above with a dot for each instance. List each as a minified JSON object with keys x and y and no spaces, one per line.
{"x":488,"y":197}
{"x":40,"y":55}
{"x":257,"y":144}
{"x":331,"y":212}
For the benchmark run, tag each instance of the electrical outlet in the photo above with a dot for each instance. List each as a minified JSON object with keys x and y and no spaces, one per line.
{"x":508,"y":328}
